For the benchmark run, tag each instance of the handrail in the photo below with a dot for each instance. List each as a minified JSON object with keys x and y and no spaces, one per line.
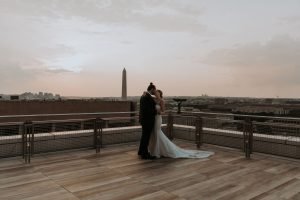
{"x":241,"y":115}
{"x":10,"y":123}
{"x":66,"y":114}
{"x":278,"y":124}
{"x":76,"y":120}
{"x":185,"y":114}
{"x":80,"y":120}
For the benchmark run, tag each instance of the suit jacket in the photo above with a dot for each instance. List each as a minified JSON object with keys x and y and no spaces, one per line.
{"x":147,"y":109}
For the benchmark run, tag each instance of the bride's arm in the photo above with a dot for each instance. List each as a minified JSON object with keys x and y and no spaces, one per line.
{"x":160,"y":101}
{"x":162,"y":105}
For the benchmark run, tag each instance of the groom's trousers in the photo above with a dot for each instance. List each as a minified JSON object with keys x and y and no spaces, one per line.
{"x":147,"y":128}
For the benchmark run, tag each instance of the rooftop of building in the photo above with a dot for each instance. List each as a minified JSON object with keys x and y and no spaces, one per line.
{"x":64,"y":164}
{"x":117,"y":173}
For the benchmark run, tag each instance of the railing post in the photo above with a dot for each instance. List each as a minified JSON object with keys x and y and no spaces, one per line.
{"x":98,"y":124}
{"x":20,"y":129}
{"x":27,"y":141}
{"x":105,"y":123}
{"x":53,"y":127}
{"x":248,"y":137}
{"x":199,"y":131}
{"x":133,"y":109}
{"x":170,"y":126}
{"x":81,"y":125}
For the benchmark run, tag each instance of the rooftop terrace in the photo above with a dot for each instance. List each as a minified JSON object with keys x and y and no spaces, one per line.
{"x":255,"y":158}
{"x":117,"y":173}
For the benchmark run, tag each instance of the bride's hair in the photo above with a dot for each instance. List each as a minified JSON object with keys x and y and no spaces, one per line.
{"x":151,"y":86}
{"x":160,"y":93}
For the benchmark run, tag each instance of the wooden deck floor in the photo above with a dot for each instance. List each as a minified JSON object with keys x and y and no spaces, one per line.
{"x":117,"y":173}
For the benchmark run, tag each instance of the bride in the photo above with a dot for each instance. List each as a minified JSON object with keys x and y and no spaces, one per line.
{"x":160,"y":145}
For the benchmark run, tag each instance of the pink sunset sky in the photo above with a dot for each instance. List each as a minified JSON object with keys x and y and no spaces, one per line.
{"x":185,"y":47}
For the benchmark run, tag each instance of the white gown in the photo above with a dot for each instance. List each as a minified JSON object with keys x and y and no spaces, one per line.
{"x":160,"y":145}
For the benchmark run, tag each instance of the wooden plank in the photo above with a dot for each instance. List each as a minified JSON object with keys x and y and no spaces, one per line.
{"x":287,"y":190}
{"x":119,"y":174}
{"x":21,"y":179}
{"x":21,"y":191}
{"x":56,"y":195}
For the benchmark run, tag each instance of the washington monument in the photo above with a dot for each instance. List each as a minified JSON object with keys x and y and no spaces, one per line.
{"x":124,"y":85}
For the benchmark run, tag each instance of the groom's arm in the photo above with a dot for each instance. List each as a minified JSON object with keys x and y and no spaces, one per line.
{"x":147,"y":107}
{"x":162,"y":105}
{"x":142,"y":110}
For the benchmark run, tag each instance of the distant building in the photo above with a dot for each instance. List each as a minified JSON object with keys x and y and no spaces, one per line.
{"x":262,"y":109}
{"x":221,"y":101}
{"x":268,"y":100}
{"x":124,"y":85}
{"x":39,"y":96}
{"x":36,"y":107}
{"x":14,"y":97}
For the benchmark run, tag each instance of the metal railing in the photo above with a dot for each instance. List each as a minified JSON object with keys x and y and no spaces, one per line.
{"x":251,"y":133}
{"x":246,"y":132}
{"x":33,"y":136}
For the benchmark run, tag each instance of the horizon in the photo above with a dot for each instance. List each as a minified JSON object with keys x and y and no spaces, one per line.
{"x":186,"y":48}
{"x":171,"y":96}
{"x":131,"y":96}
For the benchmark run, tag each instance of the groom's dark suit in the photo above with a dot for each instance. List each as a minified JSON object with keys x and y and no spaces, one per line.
{"x":147,"y":119}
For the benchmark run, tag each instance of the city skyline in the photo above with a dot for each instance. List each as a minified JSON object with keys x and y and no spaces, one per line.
{"x":186,"y":48}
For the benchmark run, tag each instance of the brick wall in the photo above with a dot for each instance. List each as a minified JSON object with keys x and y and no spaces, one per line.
{"x":60,"y":107}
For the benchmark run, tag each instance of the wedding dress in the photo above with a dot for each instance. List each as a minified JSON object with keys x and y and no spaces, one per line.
{"x":160,"y":145}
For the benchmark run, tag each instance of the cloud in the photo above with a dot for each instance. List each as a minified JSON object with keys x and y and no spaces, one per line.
{"x":157,"y":15}
{"x":276,"y":62}
{"x":17,"y":78}
{"x":22,"y":66}
{"x":58,"y":50}
{"x":43,"y":41}
{"x":126,"y":42}
{"x":58,"y":71}
{"x":11,"y":73}
{"x":291,"y":19}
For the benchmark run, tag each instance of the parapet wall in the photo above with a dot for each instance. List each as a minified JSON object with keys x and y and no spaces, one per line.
{"x":270,"y":144}
{"x":36,"y":107}
{"x":56,"y":141}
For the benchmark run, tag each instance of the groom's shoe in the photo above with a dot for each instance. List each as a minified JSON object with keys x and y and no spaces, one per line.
{"x":151,"y":157}
{"x":143,"y":157}
{"x":147,"y":157}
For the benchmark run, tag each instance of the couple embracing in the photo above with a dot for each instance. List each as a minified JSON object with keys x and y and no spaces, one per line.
{"x":154,"y":143}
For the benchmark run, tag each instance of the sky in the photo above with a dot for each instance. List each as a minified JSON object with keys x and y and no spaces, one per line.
{"x":236,"y":48}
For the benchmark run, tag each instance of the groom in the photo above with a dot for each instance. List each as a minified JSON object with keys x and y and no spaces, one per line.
{"x":147,"y":119}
